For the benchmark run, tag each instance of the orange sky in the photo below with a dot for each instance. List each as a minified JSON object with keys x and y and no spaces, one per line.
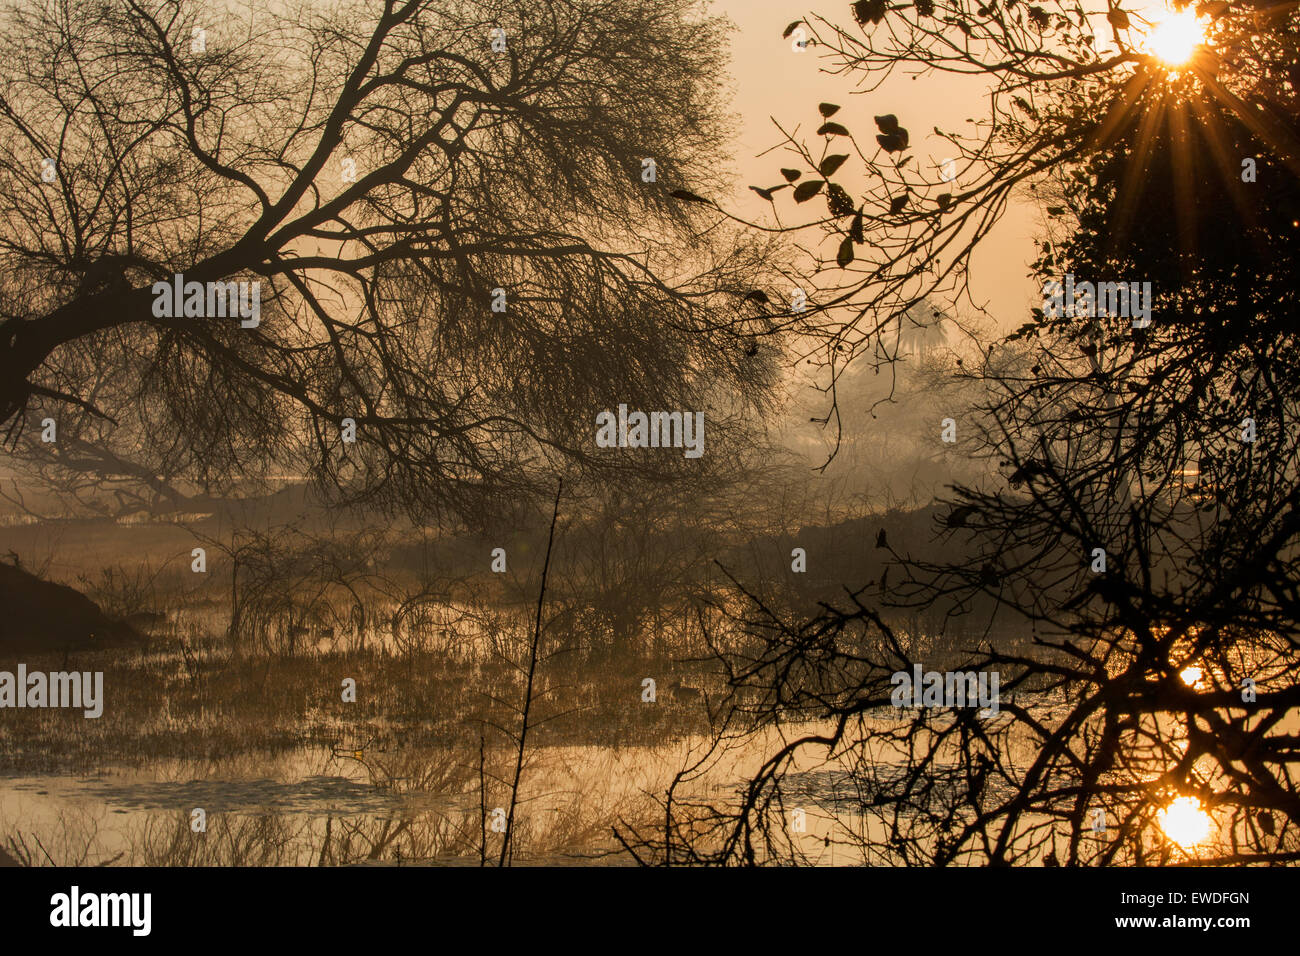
{"x":772,"y":81}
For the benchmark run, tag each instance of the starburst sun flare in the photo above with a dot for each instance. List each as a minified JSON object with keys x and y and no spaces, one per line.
{"x":1175,"y":35}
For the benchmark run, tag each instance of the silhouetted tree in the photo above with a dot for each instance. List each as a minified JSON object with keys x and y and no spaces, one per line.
{"x":447,"y":208}
{"x":1146,"y":526}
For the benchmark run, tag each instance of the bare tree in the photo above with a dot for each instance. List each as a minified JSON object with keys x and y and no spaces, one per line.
{"x":459,"y":216}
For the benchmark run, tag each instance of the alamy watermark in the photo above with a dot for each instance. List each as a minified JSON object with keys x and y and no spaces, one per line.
{"x":924,"y":688}
{"x":653,"y":430}
{"x":76,"y":909}
{"x":1123,"y":299}
{"x":211,"y":300}
{"x":82,"y":689}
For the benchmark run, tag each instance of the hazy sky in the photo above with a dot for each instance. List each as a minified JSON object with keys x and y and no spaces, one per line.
{"x":772,"y":81}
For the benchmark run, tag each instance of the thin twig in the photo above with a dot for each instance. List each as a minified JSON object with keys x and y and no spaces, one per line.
{"x":506,"y":844}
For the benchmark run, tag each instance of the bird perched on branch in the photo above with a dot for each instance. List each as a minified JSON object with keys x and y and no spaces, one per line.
{"x":958,"y":517}
{"x":1030,"y":469}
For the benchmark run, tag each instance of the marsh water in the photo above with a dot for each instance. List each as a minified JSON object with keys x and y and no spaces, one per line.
{"x":308,"y":806}
{"x":232,"y":737}
{"x":319,"y":712}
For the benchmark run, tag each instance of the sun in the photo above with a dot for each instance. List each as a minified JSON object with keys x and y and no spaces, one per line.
{"x":1175,"y":35}
{"x":1184,"y":822}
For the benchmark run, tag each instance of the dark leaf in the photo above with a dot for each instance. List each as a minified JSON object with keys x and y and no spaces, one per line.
{"x":827,"y":109}
{"x":845,"y":254}
{"x":790,"y":29}
{"x":757,"y":295}
{"x":894,"y":142}
{"x":805,"y":191}
{"x":767,"y":193}
{"x":855,"y":230}
{"x":1038,"y":17}
{"x":869,"y":11}
{"x":832,"y":163}
{"x":1118,"y":19}
{"x":945,"y":201}
{"x":887,"y":124}
{"x":838,"y":201}
{"x":832,"y":129}
{"x":689,"y":196}
{"x":791,"y":174}
{"x":898,"y":203}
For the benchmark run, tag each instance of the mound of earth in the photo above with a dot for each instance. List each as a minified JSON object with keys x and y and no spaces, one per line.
{"x":38,"y":615}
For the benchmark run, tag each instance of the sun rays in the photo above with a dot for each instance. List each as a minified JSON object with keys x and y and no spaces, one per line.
{"x":1177,"y":114}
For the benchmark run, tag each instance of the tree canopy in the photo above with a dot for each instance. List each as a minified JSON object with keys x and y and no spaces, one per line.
{"x":460,"y":216}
